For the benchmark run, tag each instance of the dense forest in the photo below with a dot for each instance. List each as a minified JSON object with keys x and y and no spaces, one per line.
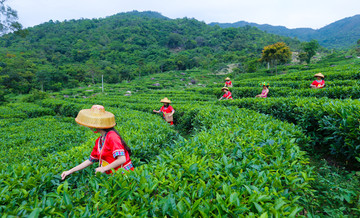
{"x":342,"y":34}
{"x":56,"y":55}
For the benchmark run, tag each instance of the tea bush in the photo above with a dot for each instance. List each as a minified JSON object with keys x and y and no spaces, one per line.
{"x":36,"y":138}
{"x":8,"y":112}
{"x":291,"y":84}
{"x":332,"y":124}
{"x":235,"y":166}
{"x":220,"y":159}
{"x":24,"y":110}
{"x":31,"y":181}
{"x":341,"y":92}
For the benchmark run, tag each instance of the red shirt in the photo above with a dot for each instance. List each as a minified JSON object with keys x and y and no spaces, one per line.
{"x":167,"y":110}
{"x":106,"y":152}
{"x":227,"y":95}
{"x":317,"y":84}
{"x":228,"y":83}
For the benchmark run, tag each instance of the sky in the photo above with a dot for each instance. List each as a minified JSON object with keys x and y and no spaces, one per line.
{"x":289,"y":13}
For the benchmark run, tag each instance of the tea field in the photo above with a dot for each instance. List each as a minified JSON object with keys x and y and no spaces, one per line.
{"x":296,"y":153}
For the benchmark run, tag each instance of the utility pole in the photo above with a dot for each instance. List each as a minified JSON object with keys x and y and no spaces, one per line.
{"x":102,"y":82}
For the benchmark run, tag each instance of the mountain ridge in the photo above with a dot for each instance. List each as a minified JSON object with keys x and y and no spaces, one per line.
{"x":341,"y":34}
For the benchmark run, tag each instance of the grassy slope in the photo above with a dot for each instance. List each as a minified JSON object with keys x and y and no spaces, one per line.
{"x":336,"y":188}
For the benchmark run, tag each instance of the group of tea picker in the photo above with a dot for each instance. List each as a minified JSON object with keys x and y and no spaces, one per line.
{"x":228,"y":84}
{"x":110,"y":150}
{"x":227,"y":94}
{"x":318,"y":83}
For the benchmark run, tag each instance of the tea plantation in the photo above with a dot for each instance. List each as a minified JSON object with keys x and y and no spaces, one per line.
{"x":295,"y":153}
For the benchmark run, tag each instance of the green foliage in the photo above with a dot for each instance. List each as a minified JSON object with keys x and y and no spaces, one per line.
{"x":62,"y":107}
{"x":278,"y":53}
{"x":8,"y":21}
{"x":23,"y":110}
{"x":35,"y":95}
{"x":57,"y":55}
{"x":7,"y":112}
{"x":302,"y":57}
{"x":40,"y":137}
{"x":332,"y":124}
{"x":218,"y":159}
{"x":341,"y":34}
{"x":335,"y":191}
{"x":335,"y":92}
{"x":248,"y":176}
{"x":310,"y":49}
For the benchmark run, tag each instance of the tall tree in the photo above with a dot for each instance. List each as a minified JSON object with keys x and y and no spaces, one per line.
{"x":278,"y":53}
{"x":302,"y":56}
{"x":2,"y":90}
{"x":310,"y":49}
{"x":8,"y":19}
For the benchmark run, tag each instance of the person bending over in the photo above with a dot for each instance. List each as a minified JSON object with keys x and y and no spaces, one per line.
{"x":110,"y":150}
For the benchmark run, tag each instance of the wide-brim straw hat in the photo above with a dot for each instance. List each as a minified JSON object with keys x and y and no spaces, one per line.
{"x":96,"y":117}
{"x":227,"y":78}
{"x":319,"y":75}
{"x":264,"y":84}
{"x":226,"y":88}
{"x":165,"y":100}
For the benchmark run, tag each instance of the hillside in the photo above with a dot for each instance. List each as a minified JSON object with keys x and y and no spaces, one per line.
{"x":288,"y":155}
{"x":55,"y":55}
{"x":341,"y":34}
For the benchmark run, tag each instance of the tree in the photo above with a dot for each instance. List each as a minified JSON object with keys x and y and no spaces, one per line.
{"x":2,"y":90}
{"x":252,"y":65}
{"x":278,"y":53}
{"x":357,"y":49}
{"x":302,"y":57}
{"x":310,"y":49}
{"x":175,"y":40}
{"x":182,"y":61}
{"x":8,"y":19}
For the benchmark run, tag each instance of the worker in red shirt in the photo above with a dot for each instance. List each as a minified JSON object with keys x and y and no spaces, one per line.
{"x":167,"y":110}
{"x":110,"y":150}
{"x":228,"y":82}
{"x":319,"y":83}
{"x":227,"y":94}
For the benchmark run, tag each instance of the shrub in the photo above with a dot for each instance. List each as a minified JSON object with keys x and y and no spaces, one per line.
{"x":332,"y":124}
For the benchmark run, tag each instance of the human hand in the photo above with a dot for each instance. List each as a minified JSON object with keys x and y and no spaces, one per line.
{"x":100,"y":169}
{"x":154,"y":111}
{"x":65,"y":174}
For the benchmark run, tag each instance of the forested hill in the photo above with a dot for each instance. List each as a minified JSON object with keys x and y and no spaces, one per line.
{"x":341,"y":34}
{"x":55,"y":55}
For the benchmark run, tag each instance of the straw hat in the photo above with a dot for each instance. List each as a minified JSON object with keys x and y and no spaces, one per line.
{"x":96,"y":117}
{"x":227,"y":78}
{"x":165,"y":100}
{"x":264,"y":84}
{"x":226,"y":88}
{"x":319,"y":75}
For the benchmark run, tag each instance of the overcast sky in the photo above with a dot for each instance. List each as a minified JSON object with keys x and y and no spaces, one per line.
{"x":290,"y":13}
